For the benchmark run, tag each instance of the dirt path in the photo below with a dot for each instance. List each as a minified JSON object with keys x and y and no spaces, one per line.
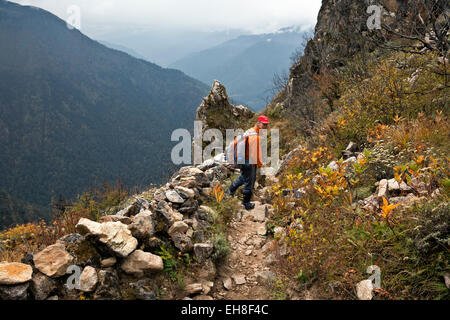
{"x":243,"y":276}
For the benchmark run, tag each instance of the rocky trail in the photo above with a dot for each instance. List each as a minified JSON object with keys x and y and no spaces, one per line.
{"x":244,"y":275}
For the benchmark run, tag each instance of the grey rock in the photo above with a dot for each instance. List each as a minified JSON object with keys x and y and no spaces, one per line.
{"x":228,"y":284}
{"x":144,"y":203}
{"x":17,"y":292}
{"x":199,"y":236}
{"x":193,"y":174}
{"x":189,"y":207}
{"x":185,"y":192}
{"x":139,"y":262}
{"x":153,"y":243}
{"x":349,"y":161}
{"x":203,"y":251}
{"x":163,"y":217}
{"x":178,"y":227}
{"x":144,"y":290}
{"x":182,"y":242}
{"x":41,"y":286}
{"x":219,"y":173}
{"x":142,"y":226}
{"x":108,"y":286}
{"x":207,"y":164}
{"x":394,"y":186}
{"x":174,"y":197}
{"x":131,"y":210}
{"x":115,"y":235}
{"x":333,"y":166}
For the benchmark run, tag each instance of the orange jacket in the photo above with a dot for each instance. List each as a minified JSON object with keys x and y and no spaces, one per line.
{"x":253,"y":154}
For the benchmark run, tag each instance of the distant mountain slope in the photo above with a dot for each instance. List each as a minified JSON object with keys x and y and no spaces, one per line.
{"x":73,"y":112}
{"x":119,"y":47}
{"x":245,"y":65}
{"x":163,"y":46}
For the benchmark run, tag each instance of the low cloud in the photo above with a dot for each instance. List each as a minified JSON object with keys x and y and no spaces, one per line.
{"x":256,"y":16}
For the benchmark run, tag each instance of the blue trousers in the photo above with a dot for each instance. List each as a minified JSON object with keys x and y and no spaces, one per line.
{"x":247,"y":178}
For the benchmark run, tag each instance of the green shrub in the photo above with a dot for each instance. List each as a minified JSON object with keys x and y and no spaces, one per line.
{"x":221,"y":247}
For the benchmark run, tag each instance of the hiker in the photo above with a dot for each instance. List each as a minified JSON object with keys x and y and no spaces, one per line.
{"x":252,"y":161}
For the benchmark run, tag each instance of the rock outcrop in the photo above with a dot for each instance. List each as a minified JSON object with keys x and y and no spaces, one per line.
{"x":115,"y":235}
{"x":216,"y":111}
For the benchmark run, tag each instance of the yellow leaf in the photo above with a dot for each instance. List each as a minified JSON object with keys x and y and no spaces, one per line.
{"x":386,"y":208}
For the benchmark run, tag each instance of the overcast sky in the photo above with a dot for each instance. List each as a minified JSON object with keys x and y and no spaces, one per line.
{"x":257,"y":16}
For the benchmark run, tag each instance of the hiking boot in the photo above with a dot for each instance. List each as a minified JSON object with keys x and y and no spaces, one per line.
{"x":248,"y":206}
{"x":229,"y":194}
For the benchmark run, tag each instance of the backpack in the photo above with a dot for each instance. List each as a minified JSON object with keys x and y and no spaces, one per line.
{"x":238,"y":149}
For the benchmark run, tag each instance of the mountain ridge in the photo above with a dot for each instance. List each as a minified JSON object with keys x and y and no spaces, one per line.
{"x":76,"y":113}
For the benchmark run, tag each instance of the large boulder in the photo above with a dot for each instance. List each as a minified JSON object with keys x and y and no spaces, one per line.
{"x":15,"y":273}
{"x":115,"y":235}
{"x":139,"y":262}
{"x":53,"y":261}
{"x":142,"y":226}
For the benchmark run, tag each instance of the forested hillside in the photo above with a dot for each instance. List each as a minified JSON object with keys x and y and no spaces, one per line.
{"x":74,"y":113}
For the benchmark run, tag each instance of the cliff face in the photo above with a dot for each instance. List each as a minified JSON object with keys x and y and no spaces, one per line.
{"x":341,"y":32}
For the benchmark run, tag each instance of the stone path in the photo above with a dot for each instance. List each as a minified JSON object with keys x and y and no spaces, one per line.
{"x":243,"y":276}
